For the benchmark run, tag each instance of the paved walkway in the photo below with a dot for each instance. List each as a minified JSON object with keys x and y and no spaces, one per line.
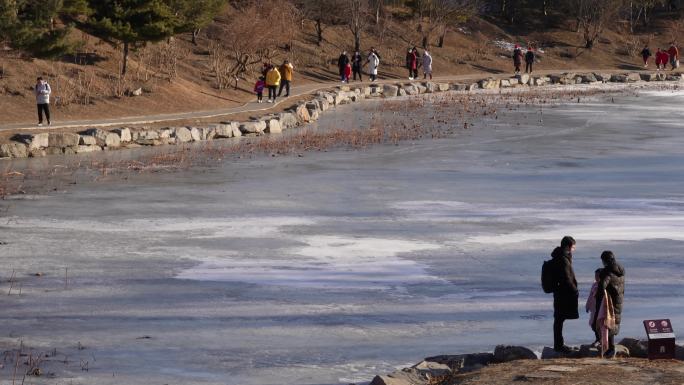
{"x":247,"y":107}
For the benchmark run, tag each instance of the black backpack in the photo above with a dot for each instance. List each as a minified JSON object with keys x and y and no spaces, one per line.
{"x":548,"y":279}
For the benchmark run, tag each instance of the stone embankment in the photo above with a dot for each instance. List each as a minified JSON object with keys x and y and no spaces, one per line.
{"x":95,"y":139}
{"x":439,"y":369}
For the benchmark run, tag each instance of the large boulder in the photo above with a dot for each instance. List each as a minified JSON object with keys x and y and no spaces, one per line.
{"x":602,"y":77}
{"x":589,"y":78}
{"x":430,"y":88}
{"x":505,"y":83}
{"x":401,"y":377}
{"x":63,"y":139}
{"x":104,"y":138}
{"x":464,"y":362}
{"x":390,"y":90}
{"x":124,"y":134}
{"x":637,"y":348}
{"x":488,"y":84}
{"x":253,"y":127}
{"x":182,"y":135}
{"x":225,"y":129}
{"x":618,"y":78}
{"x":273,"y":126}
{"x":648,"y":77}
{"x":443,"y":87}
{"x":633,"y":77}
{"x":410,"y":89}
{"x":523,"y":78}
{"x":504,"y":353}
{"x":87,"y":140}
{"x":302,"y":113}
{"x":13,"y":150}
{"x":287,"y":120}
{"x":550,"y":354}
{"x":145,"y":135}
{"x":37,"y":141}
{"x":195,"y":133}
{"x":207,"y":133}
{"x":472,"y":87}
{"x":459,"y":87}
{"x":430,"y":369}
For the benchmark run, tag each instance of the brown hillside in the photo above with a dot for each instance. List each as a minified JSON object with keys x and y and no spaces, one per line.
{"x":88,"y":87}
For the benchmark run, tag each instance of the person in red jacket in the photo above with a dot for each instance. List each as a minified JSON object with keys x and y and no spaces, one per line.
{"x":347,"y":72}
{"x":661,"y":59}
{"x":674,"y":56}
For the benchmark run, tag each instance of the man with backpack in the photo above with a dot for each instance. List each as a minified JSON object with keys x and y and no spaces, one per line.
{"x":558,"y":277}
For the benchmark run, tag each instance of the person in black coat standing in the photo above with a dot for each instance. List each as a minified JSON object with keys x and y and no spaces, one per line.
{"x":342,"y":64}
{"x":612,"y":282}
{"x":565,"y":293}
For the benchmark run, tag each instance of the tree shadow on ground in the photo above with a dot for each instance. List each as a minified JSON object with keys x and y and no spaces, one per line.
{"x":487,"y":69}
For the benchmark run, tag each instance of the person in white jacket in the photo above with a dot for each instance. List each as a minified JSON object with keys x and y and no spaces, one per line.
{"x":43,"y":91}
{"x":427,"y":65}
{"x":373,"y":64}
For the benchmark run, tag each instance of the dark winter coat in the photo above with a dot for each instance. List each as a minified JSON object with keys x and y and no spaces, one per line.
{"x":517,"y":56}
{"x":342,"y":62}
{"x":565,"y":295}
{"x":646,"y":53}
{"x":612,"y":280}
{"x":529,"y":57}
{"x":357,"y":62}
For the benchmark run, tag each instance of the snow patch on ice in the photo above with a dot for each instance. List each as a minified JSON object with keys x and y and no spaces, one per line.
{"x":326,"y":262}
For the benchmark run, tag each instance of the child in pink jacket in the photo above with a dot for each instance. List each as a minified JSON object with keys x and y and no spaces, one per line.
{"x":259,"y":89}
{"x":592,"y":309}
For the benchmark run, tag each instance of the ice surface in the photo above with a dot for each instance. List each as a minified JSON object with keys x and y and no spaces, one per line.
{"x":330,"y":268}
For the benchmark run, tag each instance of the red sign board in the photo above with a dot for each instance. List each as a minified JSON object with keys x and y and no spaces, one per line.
{"x":661,"y":339}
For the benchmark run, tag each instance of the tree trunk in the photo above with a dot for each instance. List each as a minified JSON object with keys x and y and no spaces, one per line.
{"x":357,"y":41}
{"x":319,"y":31}
{"x":195,"y":33}
{"x":425,"y":42}
{"x":440,"y":42}
{"x":125,"y":58}
{"x":589,"y":43}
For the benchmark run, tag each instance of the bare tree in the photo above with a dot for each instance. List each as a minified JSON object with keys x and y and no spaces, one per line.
{"x":239,"y":43}
{"x":593,"y":16}
{"x":435,"y":17}
{"x":321,"y":12}
{"x":357,"y":19}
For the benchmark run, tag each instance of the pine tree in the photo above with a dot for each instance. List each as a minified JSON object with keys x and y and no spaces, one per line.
{"x":132,"y":22}
{"x":194,"y":15}
{"x":32,"y":25}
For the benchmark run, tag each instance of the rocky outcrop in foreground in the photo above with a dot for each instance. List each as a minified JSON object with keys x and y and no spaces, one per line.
{"x":439,"y":369}
{"x":96,"y":139}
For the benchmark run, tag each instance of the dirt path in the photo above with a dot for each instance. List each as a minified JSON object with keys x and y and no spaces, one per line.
{"x":589,"y":371}
{"x":297,"y":91}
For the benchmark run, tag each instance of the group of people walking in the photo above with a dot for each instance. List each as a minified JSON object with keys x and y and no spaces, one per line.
{"x":275,"y":79}
{"x":518,"y":56}
{"x":353,"y":67}
{"x":662,"y":57}
{"x":604,"y":303}
{"x":413,"y":62}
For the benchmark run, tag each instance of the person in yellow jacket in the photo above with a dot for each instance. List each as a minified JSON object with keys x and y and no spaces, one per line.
{"x":272,"y":82}
{"x":286,"y":71}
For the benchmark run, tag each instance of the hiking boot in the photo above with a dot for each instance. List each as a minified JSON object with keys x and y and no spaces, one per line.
{"x":40,"y":124}
{"x":610,"y":353}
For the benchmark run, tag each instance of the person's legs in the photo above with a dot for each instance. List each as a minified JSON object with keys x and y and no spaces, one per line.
{"x":282,"y":85}
{"x":558,"y":341}
{"x":40,"y":113}
{"x":46,"y":108}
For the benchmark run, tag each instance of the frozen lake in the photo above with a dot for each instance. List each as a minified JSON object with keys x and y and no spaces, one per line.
{"x":333,"y":267}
